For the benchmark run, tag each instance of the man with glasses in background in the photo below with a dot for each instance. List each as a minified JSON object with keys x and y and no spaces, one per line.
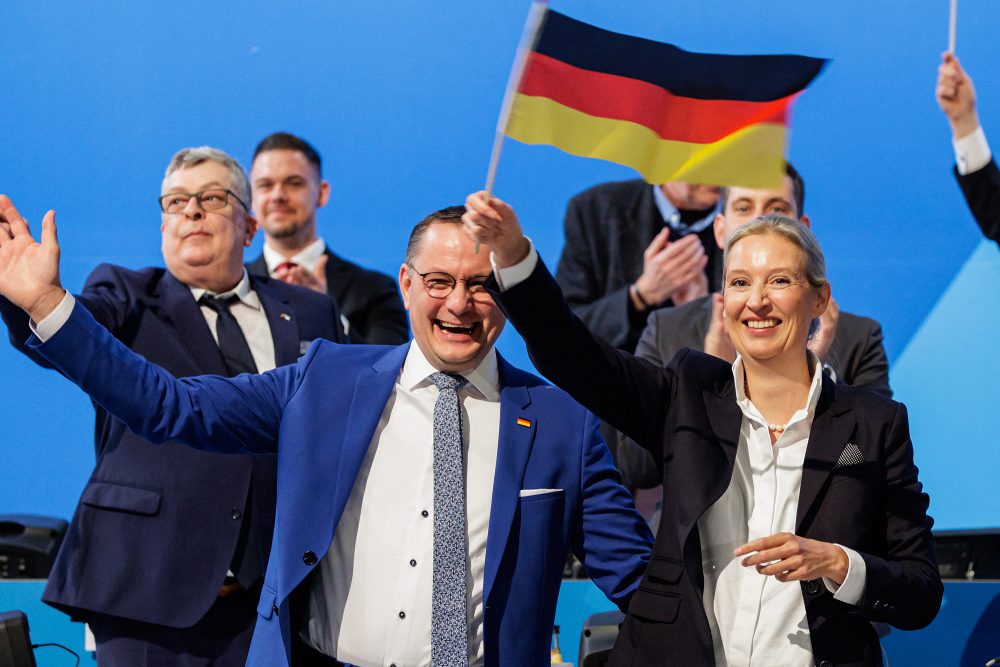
{"x":166,"y":551}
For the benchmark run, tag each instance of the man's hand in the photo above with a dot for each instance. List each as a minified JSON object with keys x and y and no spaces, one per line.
{"x":669,"y":266}
{"x":696,"y":288}
{"x":493,"y":223}
{"x":956,"y":96}
{"x":822,"y":340}
{"x":717,"y":341}
{"x":29,"y":271}
{"x":293,"y":274}
{"x":789,"y":557}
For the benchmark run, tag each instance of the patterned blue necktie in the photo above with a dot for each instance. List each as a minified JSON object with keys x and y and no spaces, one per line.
{"x":449,"y":617}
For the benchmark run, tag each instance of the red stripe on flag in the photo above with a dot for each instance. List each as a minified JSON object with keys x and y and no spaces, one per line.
{"x":620,"y":98}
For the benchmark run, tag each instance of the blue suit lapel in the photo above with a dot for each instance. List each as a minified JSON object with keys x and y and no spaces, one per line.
{"x":513,"y":448}
{"x":371,"y":392}
{"x":282,"y":320}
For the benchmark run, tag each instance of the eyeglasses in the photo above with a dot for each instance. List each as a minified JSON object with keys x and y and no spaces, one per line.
{"x":208,"y":200}
{"x":440,"y":284}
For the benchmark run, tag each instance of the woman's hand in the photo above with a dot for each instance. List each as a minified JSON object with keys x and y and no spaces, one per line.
{"x":789,"y":557}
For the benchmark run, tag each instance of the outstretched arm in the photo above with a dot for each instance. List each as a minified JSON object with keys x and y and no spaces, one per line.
{"x":236,"y":415}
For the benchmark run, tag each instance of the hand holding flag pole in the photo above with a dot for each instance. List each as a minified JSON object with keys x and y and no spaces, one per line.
{"x":532,"y":27}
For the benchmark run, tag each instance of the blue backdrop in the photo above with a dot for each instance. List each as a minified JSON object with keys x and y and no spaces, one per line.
{"x":401,"y":99}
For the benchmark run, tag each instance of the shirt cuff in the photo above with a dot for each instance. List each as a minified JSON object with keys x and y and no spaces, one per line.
{"x":853,"y":588}
{"x":54,"y":321}
{"x":509,"y":276}
{"x":972,"y":152}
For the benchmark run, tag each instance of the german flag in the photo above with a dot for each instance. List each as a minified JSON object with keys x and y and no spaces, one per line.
{"x":668,"y":113}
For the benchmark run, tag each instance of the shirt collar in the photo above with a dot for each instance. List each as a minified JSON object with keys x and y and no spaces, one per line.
{"x":306,"y":258}
{"x":672,"y":217}
{"x":485,"y":377}
{"x":243,"y":290}
{"x":804,"y":413}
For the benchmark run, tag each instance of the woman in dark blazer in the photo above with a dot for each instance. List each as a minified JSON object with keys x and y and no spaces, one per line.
{"x":792,"y":513}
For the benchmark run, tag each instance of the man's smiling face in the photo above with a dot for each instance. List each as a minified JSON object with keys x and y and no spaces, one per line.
{"x":457,"y":331}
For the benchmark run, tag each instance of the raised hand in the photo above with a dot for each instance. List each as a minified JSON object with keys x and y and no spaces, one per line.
{"x":956,"y":96}
{"x":29,"y":271}
{"x":789,"y":557}
{"x":493,"y":223}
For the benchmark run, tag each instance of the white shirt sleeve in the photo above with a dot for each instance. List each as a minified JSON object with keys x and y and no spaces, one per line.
{"x":972,"y":152}
{"x":49,"y":326}
{"x":509,"y":276}
{"x":853,"y":588}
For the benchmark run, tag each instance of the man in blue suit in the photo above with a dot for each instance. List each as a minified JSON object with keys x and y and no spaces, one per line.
{"x":352,"y":571}
{"x":166,"y":551}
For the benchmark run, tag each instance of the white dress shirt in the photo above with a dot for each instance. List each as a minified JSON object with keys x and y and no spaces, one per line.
{"x":370,"y":601}
{"x":972,"y":152}
{"x":307,"y":258}
{"x":250,"y":315}
{"x":756,"y":620}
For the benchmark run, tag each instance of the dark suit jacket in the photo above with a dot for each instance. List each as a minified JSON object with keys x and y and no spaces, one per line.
{"x":546,"y":441}
{"x":157,"y":527}
{"x":686,"y":415}
{"x":607,"y":229}
{"x":856,"y":357}
{"x":982,"y":192}
{"x":368,"y":299}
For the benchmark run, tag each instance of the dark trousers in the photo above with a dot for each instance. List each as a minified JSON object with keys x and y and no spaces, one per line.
{"x":220,"y":639}
{"x":304,"y":655}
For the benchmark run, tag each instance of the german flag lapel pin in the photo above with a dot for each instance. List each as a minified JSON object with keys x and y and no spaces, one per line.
{"x":526,"y":423}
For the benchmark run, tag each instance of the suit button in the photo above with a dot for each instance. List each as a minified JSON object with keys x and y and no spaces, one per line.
{"x":424,"y":514}
{"x":825,"y":663}
{"x":236,"y":514}
{"x":812,"y":587}
{"x":274,"y":608}
{"x":413,"y":563}
{"x":402,"y":614}
{"x":309,"y":558}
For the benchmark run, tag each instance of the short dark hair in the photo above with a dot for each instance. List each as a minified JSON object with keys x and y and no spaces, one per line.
{"x":798,"y":190}
{"x":283,"y":141}
{"x":451,"y":214}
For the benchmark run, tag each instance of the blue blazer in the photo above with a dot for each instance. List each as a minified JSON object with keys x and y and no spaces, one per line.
{"x":318,"y":460}
{"x":157,"y":527}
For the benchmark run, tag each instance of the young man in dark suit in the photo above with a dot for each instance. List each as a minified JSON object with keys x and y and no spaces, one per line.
{"x":288,"y":188}
{"x":166,"y":552}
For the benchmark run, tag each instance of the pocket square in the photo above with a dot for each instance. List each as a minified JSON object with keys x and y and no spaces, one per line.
{"x":526,"y":493}
{"x":851,"y":456}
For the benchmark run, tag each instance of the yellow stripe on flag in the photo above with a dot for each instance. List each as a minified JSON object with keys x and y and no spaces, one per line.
{"x":752,"y":157}
{"x":521,"y":421}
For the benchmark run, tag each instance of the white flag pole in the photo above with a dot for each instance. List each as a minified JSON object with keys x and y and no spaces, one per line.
{"x":951,"y":26}
{"x":529,"y":37}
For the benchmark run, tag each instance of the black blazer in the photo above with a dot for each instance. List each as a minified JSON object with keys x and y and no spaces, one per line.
{"x":157,"y":527}
{"x":982,"y":192}
{"x":686,"y":415}
{"x":607,"y":229}
{"x":368,"y":299}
